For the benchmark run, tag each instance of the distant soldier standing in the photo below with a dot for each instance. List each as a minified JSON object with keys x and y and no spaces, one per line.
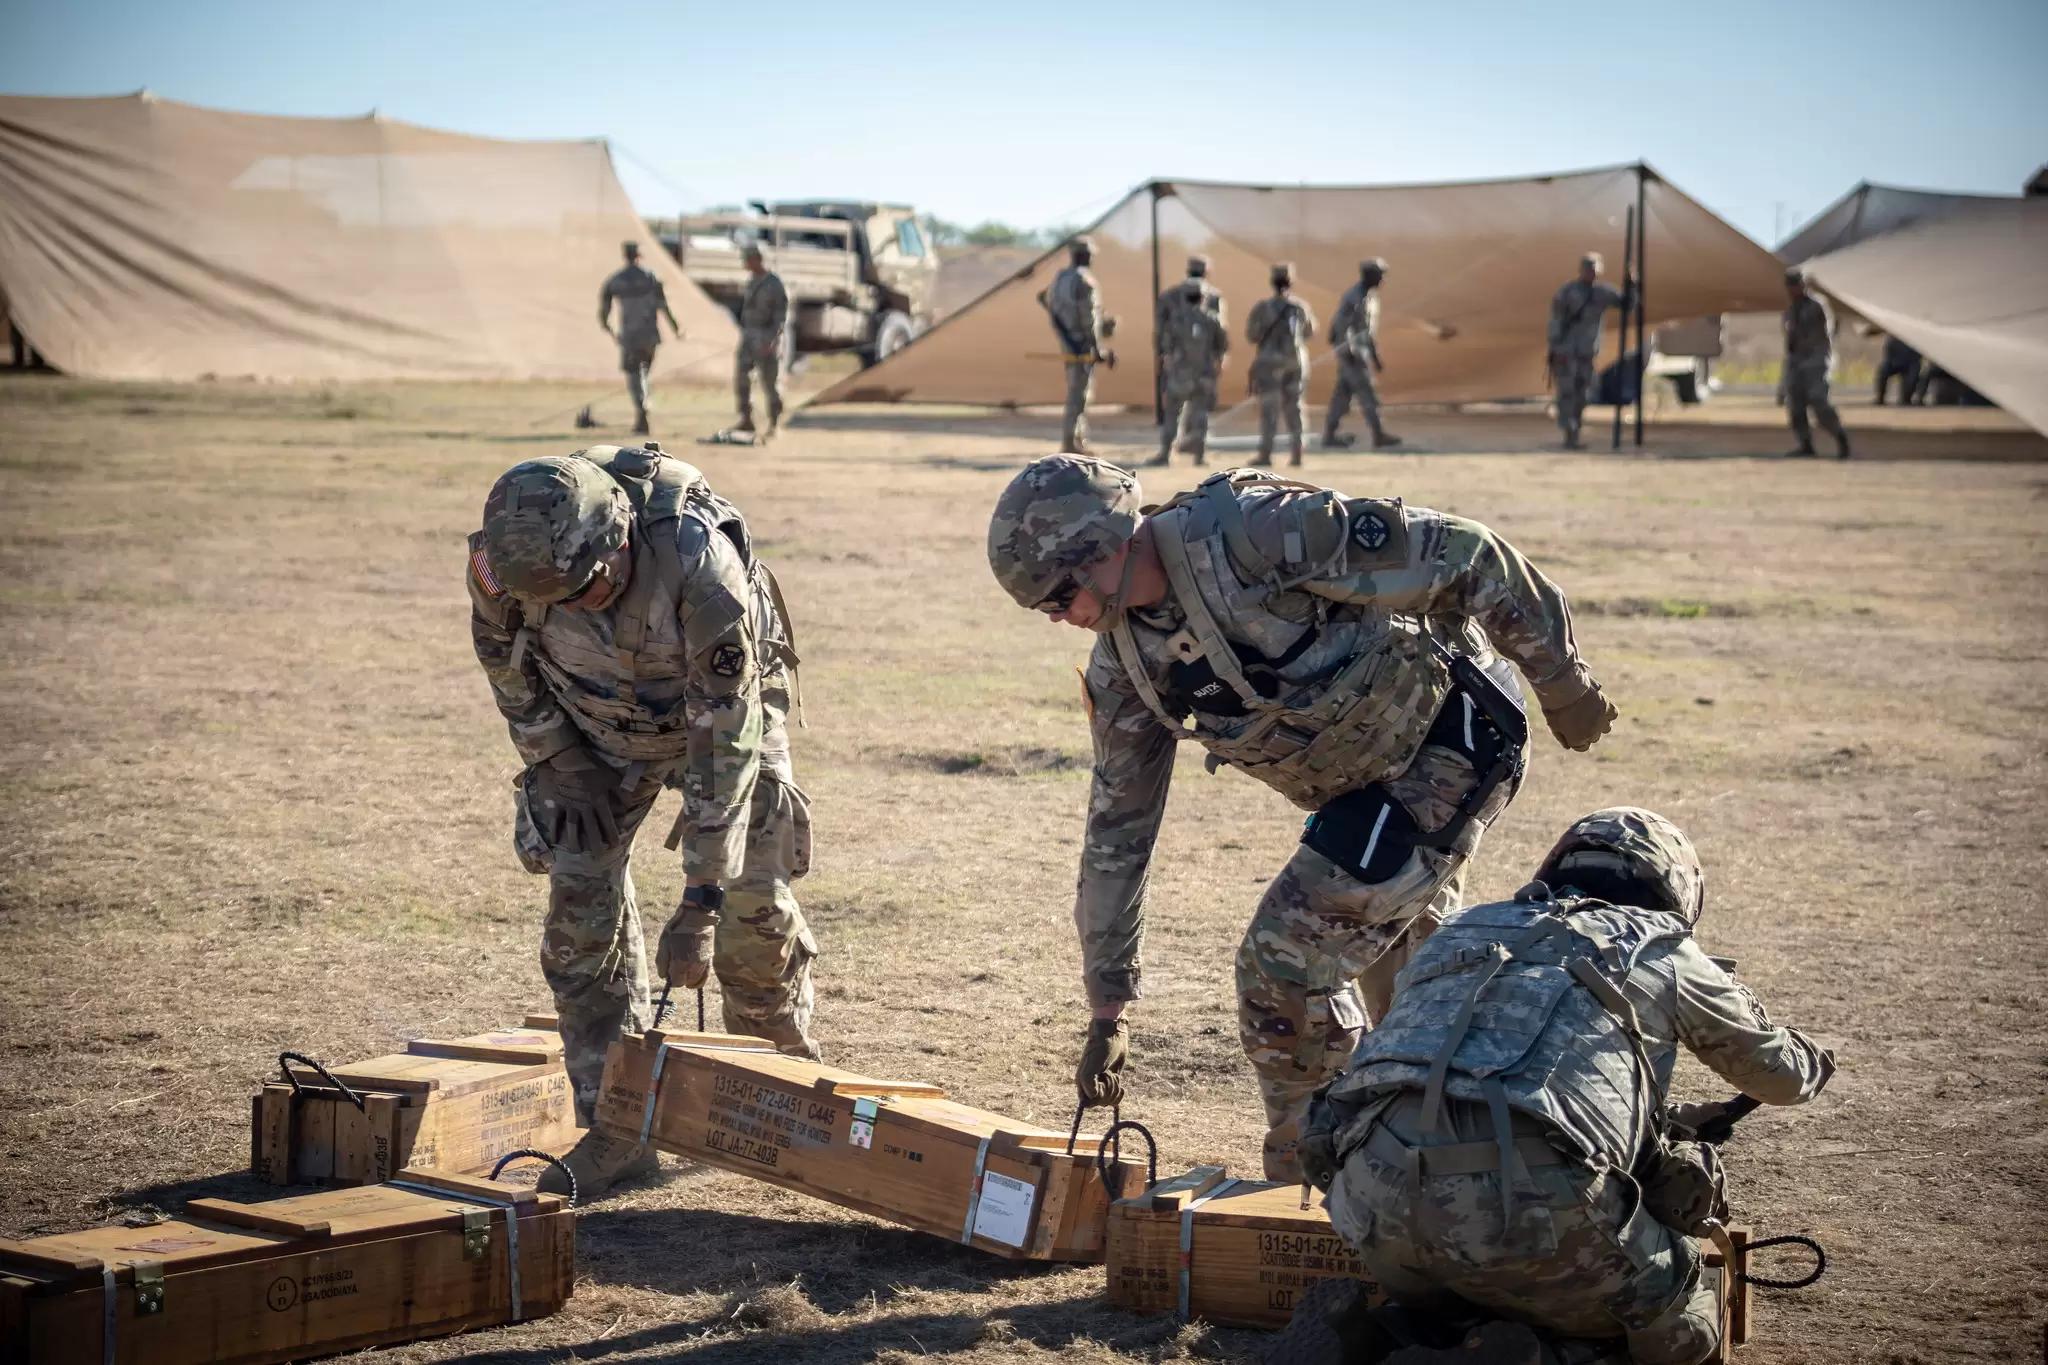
{"x":642,"y":301}
{"x":1194,"y":345}
{"x":1279,"y":329}
{"x":1809,"y":349}
{"x":1074,"y":303}
{"x":1354,"y":332}
{"x":764,"y":312}
{"x":633,"y":642}
{"x":1575,"y":312}
{"x":1340,"y":650}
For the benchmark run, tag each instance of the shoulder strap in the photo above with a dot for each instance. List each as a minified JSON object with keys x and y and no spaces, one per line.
{"x":1219,"y":492}
{"x":1134,"y":668}
{"x":1167,"y":530}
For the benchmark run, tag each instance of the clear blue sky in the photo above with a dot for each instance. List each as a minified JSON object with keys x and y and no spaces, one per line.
{"x":1035,"y":114}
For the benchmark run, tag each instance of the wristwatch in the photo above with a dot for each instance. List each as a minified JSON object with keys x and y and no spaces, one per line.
{"x":710,"y":896}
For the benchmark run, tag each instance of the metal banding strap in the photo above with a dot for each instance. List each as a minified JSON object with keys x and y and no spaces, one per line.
{"x":1187,"y":1242}
{"x":661,"y":1064}
{"x":974,"y":1192}
{"x":107,"y":1330}
{"x":653,"y":1089}
{"x":511,"y":1208}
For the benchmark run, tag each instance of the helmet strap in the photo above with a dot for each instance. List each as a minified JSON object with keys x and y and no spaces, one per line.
{"x":1113,"y":605}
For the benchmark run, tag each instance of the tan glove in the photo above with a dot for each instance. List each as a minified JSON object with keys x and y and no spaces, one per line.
{"x":1579,"y":724}
{"x":1099,"y":1078}
{"x":683,"y":956}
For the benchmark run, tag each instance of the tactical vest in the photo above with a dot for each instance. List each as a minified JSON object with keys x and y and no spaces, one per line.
{"x":1521,"y":1004}
{"x":1313,"y":741}
{"x":622,"y":673}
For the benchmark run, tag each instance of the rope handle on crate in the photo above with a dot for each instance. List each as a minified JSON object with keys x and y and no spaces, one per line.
{"x":284,"y":1060}
{"x":1820,"y":1262}
{"x":536,"y":1154}
{"x":1112,"y":1150}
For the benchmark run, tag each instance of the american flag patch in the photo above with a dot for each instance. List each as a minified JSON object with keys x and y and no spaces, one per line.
{"x":481,"y":567}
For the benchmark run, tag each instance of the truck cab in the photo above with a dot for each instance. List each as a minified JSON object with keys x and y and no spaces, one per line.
{"x":861,"y":276}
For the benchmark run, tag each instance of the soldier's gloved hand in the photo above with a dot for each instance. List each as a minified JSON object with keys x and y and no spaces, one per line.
{"x":1099,"y":1077}
{"x":683,"y":957}
{"x":1712,"y":1122}
{"x":1580,"y":723}
{"x":573,"y":795}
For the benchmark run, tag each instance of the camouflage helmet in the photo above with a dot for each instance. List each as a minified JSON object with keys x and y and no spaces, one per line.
{"x":1081,"y":248}
{"x":1627,"y":844}
{"x":1198,"y":265}
{"x":1062,"y":513}
{"x":547,"y":523}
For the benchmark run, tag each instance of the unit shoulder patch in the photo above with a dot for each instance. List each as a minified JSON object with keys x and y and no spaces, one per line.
{"x":729,"y":660}
{"x":1379,"y":532}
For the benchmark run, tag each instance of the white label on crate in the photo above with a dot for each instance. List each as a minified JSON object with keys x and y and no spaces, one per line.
{"x":1004,"y":1214}
{"x":861,"y":1133}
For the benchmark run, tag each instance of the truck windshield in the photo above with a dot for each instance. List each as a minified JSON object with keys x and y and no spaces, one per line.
{"x":908,"y":239}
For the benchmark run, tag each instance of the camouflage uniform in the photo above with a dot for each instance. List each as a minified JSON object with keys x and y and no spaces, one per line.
{"x":698,"y":705}
{"x":1575,"y":313}
{"x":641,"y":300}
{"x":1809,"y":349}
{"x":1319,"y":605}
{"x":1280,"y":327}
{"x":1418,"y":1189}
{"x":1194,"y":335}
{"x":1075,"y":303}
{"x":764,"y":312}
{"x":1354,"y":332}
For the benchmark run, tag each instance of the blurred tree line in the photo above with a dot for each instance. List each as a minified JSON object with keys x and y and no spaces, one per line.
{"x":991,"y":233}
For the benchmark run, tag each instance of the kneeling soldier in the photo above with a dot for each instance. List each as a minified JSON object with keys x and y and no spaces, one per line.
{"x":1338,"y":649}
{"x":1501,"y":1141}
{"x":633,"y":642}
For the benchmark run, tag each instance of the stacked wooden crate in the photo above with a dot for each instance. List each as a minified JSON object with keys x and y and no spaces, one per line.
{"x":456,"y":1104}
{"x":247,"y":1284}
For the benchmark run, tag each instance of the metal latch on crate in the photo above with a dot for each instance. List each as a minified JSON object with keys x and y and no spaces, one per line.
{"x":476,"y":1234}
{"x":149,"y":1288}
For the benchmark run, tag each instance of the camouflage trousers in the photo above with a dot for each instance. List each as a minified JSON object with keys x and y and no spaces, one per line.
{"x":1189,"y":398}
{"x":1573,"y":375}
{"x":636,"y":361}
{"x":1279,"y":400}
{"x":1585,"y":1259}
{"x":1806,"y":387}
{"x":1074,"y":422}
{"x":1354,"y":381}
{"x":762,"y":355}
{"x":1319,"y":958}
{"x":592,"y":949}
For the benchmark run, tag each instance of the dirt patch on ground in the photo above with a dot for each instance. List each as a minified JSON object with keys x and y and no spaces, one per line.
{"x":255,"y":797}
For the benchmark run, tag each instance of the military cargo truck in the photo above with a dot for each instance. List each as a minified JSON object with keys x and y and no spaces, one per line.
{"x":861,"y":277}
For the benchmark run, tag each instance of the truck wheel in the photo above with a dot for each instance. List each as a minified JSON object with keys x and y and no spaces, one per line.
{"x":893,"y":332}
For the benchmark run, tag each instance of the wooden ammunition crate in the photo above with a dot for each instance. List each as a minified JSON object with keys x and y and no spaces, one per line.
{"x":456,"y":1104}
{"x":895,"y":1149}
{"x":244,"y":1284}
{"x":1237,"y":1253}
{"x":1243,"y":1253}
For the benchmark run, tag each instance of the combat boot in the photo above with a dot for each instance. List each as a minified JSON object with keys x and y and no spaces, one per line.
{"x":1842,"y":446}
{"x":600,"y":1161}
{"x":1383,"y":439}
{"x":1162,"y":458}
{"x":639,"y":424}
{"x":746,"y":424}
{"x":1804,"y":452}
{"x":1335,"y":440}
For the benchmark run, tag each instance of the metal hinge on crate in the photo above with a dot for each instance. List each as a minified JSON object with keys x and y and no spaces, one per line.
{"x":476,"y":1234}
{"x":149,"y":1287}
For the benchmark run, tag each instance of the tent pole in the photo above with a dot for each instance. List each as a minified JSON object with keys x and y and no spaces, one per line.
{"x":1642,"y":295}
{"x":1158,"y":362}
{"x":1628,"y":272}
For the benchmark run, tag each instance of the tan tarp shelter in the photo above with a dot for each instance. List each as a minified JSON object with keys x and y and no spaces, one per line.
{"x":1969,"y":290}
{"x":144,"y":239}
{"x":1472,"y":268}
{"x":1873,"y":210}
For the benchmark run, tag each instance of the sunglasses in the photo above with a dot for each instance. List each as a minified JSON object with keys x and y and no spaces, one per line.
{"x":1062,"y":597}
{"x":600,"y":574}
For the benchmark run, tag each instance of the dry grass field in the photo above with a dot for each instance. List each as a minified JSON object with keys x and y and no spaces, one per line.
{"x":254,"y":796}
